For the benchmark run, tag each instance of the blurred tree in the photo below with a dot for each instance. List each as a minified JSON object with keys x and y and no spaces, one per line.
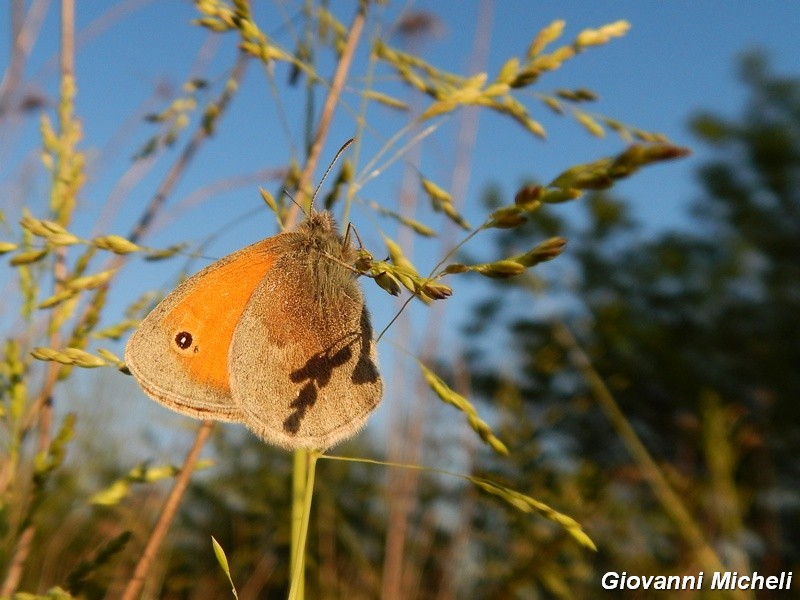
{"x":695,"y":334}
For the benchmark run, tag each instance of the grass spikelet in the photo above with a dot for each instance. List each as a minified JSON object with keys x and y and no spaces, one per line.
{"x":57,"y":298}
{"x":384,"y":277}
{"x":111,"y":358}
{"x":90,"y":282}
{"x":29,"y":257}
{"x":596,"y":37}
{"x":527,"y":504}
{"x":142,"y":473}
{"x":13,"y":378}
{"x":153,"y":255}
{"x":407,"y":273}
{"x":546,"y":36}
{"x":448,"y":395}
{"x":116,"y":244}
{"x":223,"y":562}
{"x":547,"y":250}
{"x":386,"y":100}
{"x":77,"y":579}
{"x":506,"y":217}
{"x":508,"y":71}
{"x":442,"y":201}
{"x":69,"y":356}
{"x":590,"y":124}
{"x":500,"y":269}
{"x":47,"y":462}
{"x":41,"y":228}
{"x":415,"y":225}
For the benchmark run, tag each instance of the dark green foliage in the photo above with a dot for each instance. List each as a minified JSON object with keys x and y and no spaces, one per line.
{"x":666,"y":322}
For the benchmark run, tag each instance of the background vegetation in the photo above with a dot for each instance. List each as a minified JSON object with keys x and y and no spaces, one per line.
{"x":656,"y":406}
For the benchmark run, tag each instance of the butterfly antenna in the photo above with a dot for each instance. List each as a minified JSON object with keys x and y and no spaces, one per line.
{"x":297,"y":204}
{"x":330,"y":166}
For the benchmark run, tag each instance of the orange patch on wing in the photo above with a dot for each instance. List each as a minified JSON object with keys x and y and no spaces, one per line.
{"x":211,"y":311}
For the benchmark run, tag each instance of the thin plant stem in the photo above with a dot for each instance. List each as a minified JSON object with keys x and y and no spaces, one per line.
{"x":394,"y":465}
{"x":666,"y":496}
{"x":360,"y":125}
{"x":17,"y":564}
{"x":303,"y":478}
{"x":299,"y":483}
{"x":407,"y":421}
{"x":722,"y":463}
{"x":24,"y":32}
{"x":331,"y":100}
{"x":466,"y":503}
{"x":310,"y":84}
{"x":371,"y":171}
{"x":298,"y":583}
{"x":134,"y":588}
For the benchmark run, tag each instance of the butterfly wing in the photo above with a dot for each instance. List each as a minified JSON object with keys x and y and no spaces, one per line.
{"x":303,"y":362}
{"x":179,"y":353}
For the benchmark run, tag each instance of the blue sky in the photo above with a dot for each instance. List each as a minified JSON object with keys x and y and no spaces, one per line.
{"x":678,"y":57}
